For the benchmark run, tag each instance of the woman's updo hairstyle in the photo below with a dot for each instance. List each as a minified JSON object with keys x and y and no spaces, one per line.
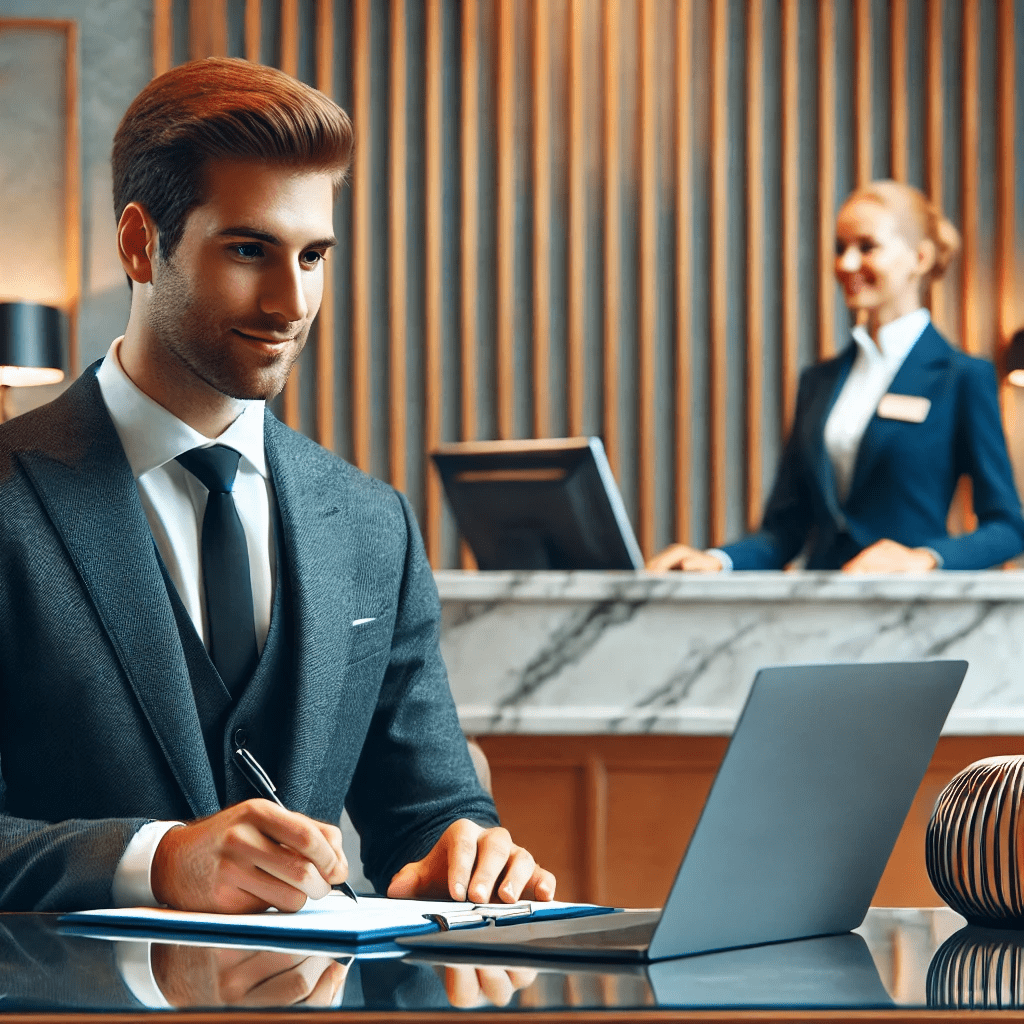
{"x":918,"y":218}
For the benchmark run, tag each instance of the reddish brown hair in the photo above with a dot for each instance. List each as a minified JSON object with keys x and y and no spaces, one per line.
{"x":219,"y":108}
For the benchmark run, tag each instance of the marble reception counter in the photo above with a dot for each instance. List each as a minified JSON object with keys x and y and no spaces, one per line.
{"x":633,"y":653}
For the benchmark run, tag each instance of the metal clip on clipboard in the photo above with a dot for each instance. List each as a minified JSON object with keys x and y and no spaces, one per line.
{"x":478,"y":914}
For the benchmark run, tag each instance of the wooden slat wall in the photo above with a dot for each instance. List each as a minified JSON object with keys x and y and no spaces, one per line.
{"x":536,"y":250}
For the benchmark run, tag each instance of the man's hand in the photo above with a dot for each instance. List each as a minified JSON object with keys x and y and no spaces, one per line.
{"x":204,"y":976}
{"x":467,"y":987}
{"x":888,"y":556}
{"x":679,"y":556}
{"x":247,"y":858}
{"x":483,"y":865}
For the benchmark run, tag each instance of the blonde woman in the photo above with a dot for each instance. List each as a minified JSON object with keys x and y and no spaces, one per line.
{"x":884,"y":430}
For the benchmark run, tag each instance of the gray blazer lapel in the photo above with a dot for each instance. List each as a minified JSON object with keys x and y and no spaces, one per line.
{"x":319,"y":574}
{"x":86,"y":486}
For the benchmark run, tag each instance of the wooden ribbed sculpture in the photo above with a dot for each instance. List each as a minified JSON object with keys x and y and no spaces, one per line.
{"x":974,"y":845}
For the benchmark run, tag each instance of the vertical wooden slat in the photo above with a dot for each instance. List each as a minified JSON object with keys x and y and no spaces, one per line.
{"x":470,"y":213}
{"x":647,"y":326}
{"x":717,"y":453}
{"x":826,"y":177}
{"x":577,"y":222}
{"x":612,"y":231}
{"x":790,"y":211}
{"x":683,"y":389}
{"x":595,"y":781}
{"x":506,"y":198}
{"x":207,"y":28}
{"x":362,"y":195}
{"x":433,"y":198}
{"x":290,"y":65}
{"x":163,"y":36}
{"x":862,"y":75}
{"x":541,"y":220}
{"x":253,"y":30}
{"x":325,"y":335}
{"x":755,"y":255}
{"x":72,"y":192}
{"x":898,"y":75}
{"x":1006,"y":307}
{"x":398,"y":254}
{"x":933,"y":163}
{"x":970,"y":314}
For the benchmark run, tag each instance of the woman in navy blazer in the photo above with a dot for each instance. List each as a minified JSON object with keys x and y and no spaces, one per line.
{"x":869,"y":489}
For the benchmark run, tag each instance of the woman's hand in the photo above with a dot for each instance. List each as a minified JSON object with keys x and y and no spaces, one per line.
{"x":888,"y":556}
{"x":679,"y":556}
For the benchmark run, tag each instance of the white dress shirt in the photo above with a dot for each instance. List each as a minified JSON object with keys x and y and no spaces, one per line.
{"x":174,"y":502}
{"x":874,"y":369}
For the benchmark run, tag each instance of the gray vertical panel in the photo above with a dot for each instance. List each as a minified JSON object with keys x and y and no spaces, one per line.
{"x":629,"y":310}
{"x":380,"y":427}
{"x":179,"y":32}
{"x":807,"y":261}
{"x":487,"y":260}
{"x":952,"y":102}
{"x":846,"y":152}
{"x":771,"y":406}
{"x":416,"y":309}
{"x":449,"y":556}
{"x":881,"y":90}
{"x":522,"y":395}
{"x":236,"y":28}
{"x":664,"y":364}
{"x":986,"y":198}
{"x":916,"y":95}
{"x":270,"y":32}
{"x":700,"y":477}
{"x":558,"y":236}
{"x":307,"y":42}
{"x":342,"y":254}
{"x":736,"y":324}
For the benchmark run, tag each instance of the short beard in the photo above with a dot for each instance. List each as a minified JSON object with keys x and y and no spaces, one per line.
{"x":189,"y":334}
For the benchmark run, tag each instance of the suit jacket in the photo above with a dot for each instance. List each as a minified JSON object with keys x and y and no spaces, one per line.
{"x":904,"y":475}
{"x":98,"y":725}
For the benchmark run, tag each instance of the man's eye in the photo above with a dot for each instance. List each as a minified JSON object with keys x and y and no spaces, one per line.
{"x":312,"y":256}
{"x":249,"y":251}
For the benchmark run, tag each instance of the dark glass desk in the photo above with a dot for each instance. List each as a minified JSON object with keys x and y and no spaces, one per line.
{"x":900,"y":965}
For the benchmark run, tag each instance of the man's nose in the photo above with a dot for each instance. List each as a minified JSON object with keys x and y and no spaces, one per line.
{"x":284,"y":295}
{"x":848,"y":260}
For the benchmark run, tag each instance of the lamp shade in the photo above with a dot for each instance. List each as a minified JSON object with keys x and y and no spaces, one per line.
{"x":1013,"y":360}
{"x":31,"y":344}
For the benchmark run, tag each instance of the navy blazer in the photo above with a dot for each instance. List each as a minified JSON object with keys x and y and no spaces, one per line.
{"x":98,"y":725}
{"x":904,"y":475}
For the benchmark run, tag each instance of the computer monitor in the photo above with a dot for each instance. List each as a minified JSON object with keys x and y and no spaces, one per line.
{"x":549,"y":503}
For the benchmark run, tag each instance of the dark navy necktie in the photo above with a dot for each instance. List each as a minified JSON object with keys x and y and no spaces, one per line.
{"x":229,"y":609}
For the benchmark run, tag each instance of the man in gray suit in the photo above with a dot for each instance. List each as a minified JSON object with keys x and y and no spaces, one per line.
{"x":167,"y":598}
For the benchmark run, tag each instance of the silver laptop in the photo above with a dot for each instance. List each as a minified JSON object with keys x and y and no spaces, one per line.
{"x":801,"y":819}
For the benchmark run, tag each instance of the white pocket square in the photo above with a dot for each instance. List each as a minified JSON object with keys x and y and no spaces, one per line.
{"x":363,"y":622}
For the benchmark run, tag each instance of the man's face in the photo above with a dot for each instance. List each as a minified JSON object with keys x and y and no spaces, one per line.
{"x":234,"y":303}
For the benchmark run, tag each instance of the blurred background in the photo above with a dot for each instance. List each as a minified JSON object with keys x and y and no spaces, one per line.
{"x":608,"y":217}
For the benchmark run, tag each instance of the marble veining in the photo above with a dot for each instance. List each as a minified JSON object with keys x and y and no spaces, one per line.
{"x":644,"y":653}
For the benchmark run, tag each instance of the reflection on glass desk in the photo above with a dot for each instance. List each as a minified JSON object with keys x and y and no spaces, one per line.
{"x":897,"y":959}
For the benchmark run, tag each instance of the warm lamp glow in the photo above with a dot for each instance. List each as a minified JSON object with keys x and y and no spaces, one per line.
{"x":1016,"y":378}
{"x":27,"y":376}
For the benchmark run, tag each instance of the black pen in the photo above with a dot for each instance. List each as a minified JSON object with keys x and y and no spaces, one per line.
{"x":260,"y":780}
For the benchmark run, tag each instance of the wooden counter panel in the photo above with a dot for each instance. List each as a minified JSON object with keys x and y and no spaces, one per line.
{"x":610,"y":815}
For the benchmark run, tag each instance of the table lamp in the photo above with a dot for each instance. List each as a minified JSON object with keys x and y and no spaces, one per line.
{"x":31,"y":343}
{"x":1013,"y":359}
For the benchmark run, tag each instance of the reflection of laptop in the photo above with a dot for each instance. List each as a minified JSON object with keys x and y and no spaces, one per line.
{"x":805,"y":809}
{"x":836,"y":971}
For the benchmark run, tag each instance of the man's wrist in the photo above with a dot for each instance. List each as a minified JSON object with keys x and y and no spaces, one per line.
{"x":132,"y":885}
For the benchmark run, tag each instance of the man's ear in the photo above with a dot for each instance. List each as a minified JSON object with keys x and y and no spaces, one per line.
{"x":137,"y":239}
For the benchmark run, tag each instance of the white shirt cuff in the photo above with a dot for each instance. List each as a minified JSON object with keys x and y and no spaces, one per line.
{"x":136,"y":967}
{"x":132,"y":885}
{"x":722,"y":557}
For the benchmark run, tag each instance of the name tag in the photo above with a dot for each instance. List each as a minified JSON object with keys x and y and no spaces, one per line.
{"x":908,"y":408}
